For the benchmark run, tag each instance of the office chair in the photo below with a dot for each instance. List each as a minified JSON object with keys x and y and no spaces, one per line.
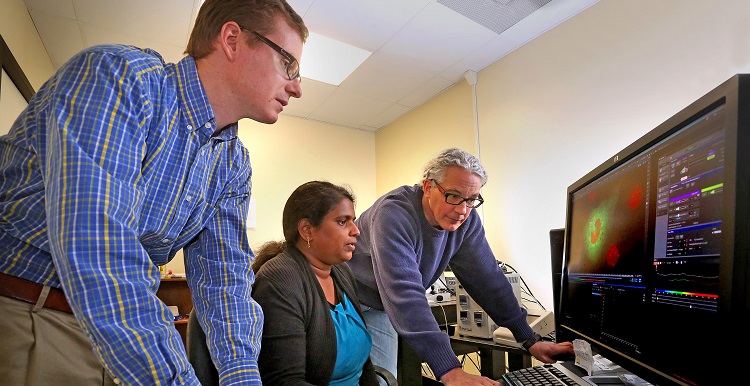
{"x":386,"y":375}
{"x":200,"y":358}
{"x":198,"y":355}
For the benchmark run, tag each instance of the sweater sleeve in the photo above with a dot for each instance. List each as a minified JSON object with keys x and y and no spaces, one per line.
{"x":283,"y":353}
{"x":477,"y":270}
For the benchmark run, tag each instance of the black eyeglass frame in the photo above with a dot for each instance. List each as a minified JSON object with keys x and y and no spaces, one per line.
{"x":477,"y":202}
{"x":290,"y":59}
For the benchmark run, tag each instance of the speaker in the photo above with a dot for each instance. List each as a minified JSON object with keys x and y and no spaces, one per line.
{"x":556,"y":243}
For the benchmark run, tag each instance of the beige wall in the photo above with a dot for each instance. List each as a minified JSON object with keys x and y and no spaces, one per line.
{"x":293,"y":151}
{"x":564,"y":103}
{"x":11,"y":103}
{"x":403,"y":147}
{"x":21,"y":37}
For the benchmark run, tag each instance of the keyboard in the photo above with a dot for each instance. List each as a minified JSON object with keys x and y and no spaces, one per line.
{"x":548,"y":374}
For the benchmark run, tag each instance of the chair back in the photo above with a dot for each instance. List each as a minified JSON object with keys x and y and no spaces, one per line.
{"x":198,"y":354}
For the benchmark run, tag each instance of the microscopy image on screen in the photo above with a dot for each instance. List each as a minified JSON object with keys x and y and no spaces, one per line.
{"x":608,"y":225}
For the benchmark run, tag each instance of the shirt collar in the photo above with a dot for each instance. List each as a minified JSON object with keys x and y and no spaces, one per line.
{"x":197,"y":111}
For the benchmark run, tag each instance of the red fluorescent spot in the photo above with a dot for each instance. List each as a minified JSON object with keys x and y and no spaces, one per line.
{"x":613,"y":255}
{"x":636,"y":196}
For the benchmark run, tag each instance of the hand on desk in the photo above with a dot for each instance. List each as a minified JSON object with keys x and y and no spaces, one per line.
{"x":458,"y":377}
{"x":547,"y":351}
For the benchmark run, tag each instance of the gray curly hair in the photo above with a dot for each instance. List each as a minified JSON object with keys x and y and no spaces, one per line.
{"x":436,"y":167}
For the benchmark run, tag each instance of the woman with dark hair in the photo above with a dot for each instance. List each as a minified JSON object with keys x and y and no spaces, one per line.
{"x":313,"y":332}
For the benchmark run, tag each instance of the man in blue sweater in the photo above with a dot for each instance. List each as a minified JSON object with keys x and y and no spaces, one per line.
{"x":407,"y":239}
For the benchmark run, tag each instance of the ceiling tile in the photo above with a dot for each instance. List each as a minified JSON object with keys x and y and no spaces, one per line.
{"x":313,"y":94}
{"x":60,"y":8}
{"x":427,"y":91}
{"x":366,"y":24}
{"x":166,"y":21}
{"x":482,"y":56}
{"x":544,"y":19}
{"x":301,"y":6}
{"x":93,"y":35}
{"x":390,"y":114}
{"x":384,"y":78}
{"x":435,"y":39}
{"x":61,"y":36}
{"x":348,"y":108}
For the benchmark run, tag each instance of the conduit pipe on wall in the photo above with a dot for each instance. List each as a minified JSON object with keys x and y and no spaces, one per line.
{"x":471,"y":78}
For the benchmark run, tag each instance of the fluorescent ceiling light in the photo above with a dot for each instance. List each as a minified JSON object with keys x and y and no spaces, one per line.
{"x":328,"y":60}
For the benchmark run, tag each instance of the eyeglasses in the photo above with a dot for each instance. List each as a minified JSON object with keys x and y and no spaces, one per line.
{"x":457,"y":199}
{"x":292,"y":65}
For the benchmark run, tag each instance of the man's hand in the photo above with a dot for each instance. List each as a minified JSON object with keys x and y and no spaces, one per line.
{"x":458,"y":377}
{"x":546,"y":351}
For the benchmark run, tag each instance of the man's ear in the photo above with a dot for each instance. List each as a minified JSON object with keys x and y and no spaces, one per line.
{"x":229,"y":39}
{"x":426,"y":184}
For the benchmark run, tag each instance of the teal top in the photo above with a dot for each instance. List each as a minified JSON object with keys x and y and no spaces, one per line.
{"x":353,"y":344}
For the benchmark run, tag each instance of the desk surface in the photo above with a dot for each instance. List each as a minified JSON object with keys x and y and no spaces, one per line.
{"x":486,"y":343}
{"x":493,"y":361}
{"x":492,"y":358}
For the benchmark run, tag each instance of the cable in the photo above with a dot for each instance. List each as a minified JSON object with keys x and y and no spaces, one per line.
{"x":476,"y":366}
{"x":445,"y":316}
{"x":427,"y":371}
{"x":447,"y":289}
{"x":525,"y":287}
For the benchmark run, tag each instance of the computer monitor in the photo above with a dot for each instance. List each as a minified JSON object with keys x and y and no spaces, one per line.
{"x":655,"y":271}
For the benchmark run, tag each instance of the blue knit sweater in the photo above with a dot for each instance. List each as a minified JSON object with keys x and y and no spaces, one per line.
{"x":399,"y":255}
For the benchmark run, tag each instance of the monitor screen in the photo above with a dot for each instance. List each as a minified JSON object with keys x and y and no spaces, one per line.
{"x":654,"y":273}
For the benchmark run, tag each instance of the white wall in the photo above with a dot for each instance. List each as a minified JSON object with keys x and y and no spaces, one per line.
{"x":565,"y":102}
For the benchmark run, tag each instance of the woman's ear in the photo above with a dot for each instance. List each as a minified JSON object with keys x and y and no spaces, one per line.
{"x":304,"y":229}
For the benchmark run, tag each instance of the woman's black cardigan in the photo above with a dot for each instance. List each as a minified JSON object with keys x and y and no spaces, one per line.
{"x":299,"y":337}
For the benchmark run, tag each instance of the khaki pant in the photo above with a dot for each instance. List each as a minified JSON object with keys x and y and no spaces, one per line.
{"x":42,"y":347}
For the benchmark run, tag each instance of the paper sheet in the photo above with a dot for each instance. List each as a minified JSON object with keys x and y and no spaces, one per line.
{"x":584,"y":358}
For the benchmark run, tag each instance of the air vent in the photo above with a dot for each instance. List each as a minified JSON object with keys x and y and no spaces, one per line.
{"x":497,"y":15}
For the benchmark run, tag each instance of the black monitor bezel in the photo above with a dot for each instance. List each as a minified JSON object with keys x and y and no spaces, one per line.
{"x":734,"y":276}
